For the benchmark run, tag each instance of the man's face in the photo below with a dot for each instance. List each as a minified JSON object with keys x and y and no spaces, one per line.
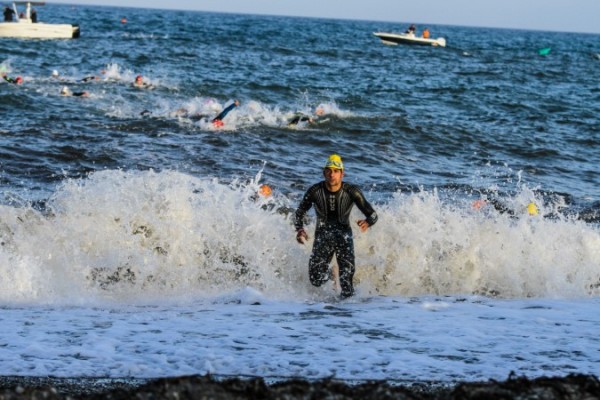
{"x":333,"y":176}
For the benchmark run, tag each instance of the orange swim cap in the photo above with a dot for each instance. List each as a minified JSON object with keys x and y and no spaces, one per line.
{"x":265,"y":190}
{"x":477,"y":204}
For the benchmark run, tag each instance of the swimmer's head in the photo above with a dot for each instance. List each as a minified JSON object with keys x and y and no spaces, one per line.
{"x":55,"y":73}
{"x":334,"y":162}
{"x":19,"y":80}
{"x":265,"y":190}
{"x":532,"y":209}
{"x":478,"y":204}
{"x":65,"y":91}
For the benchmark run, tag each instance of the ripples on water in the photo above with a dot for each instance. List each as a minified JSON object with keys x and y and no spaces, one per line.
{"x":485,"y":117}
{"x":416,"y":114}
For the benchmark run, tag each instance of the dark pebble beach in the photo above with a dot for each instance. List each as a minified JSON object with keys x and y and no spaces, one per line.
{"x":574,"y":387}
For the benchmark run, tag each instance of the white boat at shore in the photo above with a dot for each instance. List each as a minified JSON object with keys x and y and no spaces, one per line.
{"x":26,"y":27}
{"x":409,"y":38}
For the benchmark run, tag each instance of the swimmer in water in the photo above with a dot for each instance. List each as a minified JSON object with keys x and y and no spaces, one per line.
{"x":300,"y":118}
{"x":218,"y":120}
{"x":139,"y":83}
{"x":67,"y":92}
{"x":16,"y":81}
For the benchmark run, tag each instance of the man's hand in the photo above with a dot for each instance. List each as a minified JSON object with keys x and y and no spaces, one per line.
{"x":363,"y":224}
{"x":301,"y":236}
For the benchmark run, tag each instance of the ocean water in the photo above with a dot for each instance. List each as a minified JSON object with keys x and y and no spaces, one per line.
{"x":134,"y":244}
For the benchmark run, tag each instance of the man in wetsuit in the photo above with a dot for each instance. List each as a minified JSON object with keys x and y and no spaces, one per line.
{"x":138,"y":83}
{"x":17,"y":81}
{"x":300,"y":117}
{"x":333,"y":201}
{"x":67,"y":92}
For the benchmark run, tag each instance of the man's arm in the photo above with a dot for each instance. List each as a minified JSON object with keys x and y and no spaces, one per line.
{"x":364,"y":206}
{"x":226,"y":111}
{"x":301,"y":211}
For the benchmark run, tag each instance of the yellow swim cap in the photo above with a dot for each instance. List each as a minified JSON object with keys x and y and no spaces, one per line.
{"x":334,"y":161}
{"x":532,"y":209}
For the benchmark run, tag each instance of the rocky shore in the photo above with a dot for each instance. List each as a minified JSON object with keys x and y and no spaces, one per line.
{"x":575,"y":387}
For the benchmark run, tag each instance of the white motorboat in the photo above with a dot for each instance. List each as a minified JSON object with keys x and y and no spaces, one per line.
{"x":409,"y":38}
{"x":25,"y":27}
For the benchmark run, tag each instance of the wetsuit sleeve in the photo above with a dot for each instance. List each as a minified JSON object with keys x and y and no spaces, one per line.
{"x":302,"y":209}
{"x":299,"y":118}
{"x":225,"y":112}
{"x":363,"y":205}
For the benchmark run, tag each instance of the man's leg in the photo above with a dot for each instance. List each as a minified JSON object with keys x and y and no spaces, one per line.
{"x":318,"y":265}
{"x":345,"y":259}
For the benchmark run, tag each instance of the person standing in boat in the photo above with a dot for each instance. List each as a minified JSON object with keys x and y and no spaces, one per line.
{"x":33,"y":15}
{"x":411,"y":29}
{"x":8,"y":14}
{"x":426,"y":33}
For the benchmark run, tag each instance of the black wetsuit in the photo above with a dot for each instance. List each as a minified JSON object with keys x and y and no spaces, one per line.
{"x":223,"y":113}
{"x":333,"y":234}
{"x":10,"y":80}
{"x":299,"y":118}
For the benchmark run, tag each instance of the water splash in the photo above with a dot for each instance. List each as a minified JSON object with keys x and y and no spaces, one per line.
{"x":147,"y":236}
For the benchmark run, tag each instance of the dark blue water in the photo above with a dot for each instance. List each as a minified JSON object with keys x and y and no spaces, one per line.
{"x":485,"y":114}
{"x":125,"y":198}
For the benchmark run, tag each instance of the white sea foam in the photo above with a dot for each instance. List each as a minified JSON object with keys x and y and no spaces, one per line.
{"x":398,"y":339}
{"x":130,"y":237}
